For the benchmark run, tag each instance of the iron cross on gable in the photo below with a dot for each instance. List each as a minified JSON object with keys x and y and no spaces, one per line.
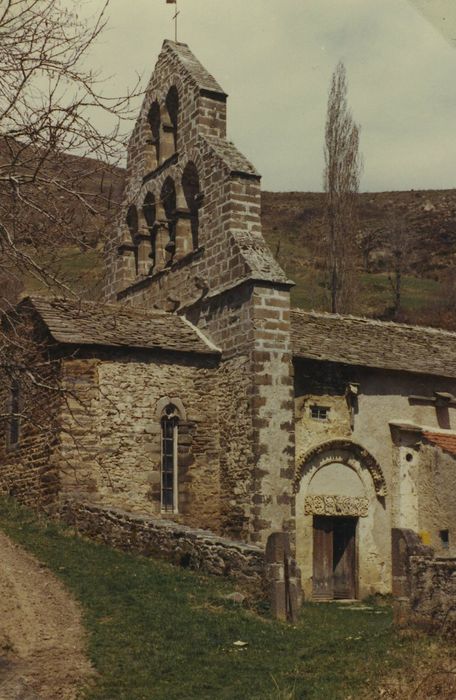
{"x":176,"y":15}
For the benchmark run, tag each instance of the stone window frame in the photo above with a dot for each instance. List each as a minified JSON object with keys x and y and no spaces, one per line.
{"x":444,"y":538}
{"x":170,"y":409}
{"x":319,"y":412}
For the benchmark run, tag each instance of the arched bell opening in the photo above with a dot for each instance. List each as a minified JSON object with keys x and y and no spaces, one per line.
{"x":168,"y":133}
{"x":150,"y":218}
{"x":193,"y":199}
{"x":168,"y":223}
{"x":152,"y":149}
{"x":172,"y":107}
{"x":132,"y":225}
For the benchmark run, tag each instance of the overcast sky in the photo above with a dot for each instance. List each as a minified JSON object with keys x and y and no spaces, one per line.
{"x":274,"y":58}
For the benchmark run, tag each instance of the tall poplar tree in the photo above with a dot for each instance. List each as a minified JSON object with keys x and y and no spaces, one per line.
{"x":341,"y":184}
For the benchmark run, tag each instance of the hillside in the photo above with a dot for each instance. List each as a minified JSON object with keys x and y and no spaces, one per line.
{"x":420,"y":224}
{"x":427,"y":217}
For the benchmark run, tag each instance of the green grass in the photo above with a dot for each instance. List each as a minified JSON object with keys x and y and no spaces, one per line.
{"x":374,"y":296}
{"x":156,"y":631}
{"x":81,"y":270}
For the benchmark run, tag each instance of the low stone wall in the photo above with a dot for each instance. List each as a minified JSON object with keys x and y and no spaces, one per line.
{"x":433,"y":592}
{"x":424,"y":585}
{"x":182,"y":545}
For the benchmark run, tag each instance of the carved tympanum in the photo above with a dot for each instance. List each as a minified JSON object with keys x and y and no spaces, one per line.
{"x":356,"y":506}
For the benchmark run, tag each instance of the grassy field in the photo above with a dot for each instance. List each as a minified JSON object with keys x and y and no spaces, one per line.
{"x":158,"y":632}
{"x":82,"y":270}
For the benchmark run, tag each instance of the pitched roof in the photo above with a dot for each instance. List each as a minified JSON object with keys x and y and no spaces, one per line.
{"x":385,"y":345}
{"x":231,"y":157}
{"x":201,"y":77}
{"x":446,"y":441}
{"x":91,"y":323}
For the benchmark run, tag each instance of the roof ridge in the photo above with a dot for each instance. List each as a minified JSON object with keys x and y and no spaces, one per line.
{"x":195,"y":69}
{"x":375,"y":321}
{"x":98,"y":304}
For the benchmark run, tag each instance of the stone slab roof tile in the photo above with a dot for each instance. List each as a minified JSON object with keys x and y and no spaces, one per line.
{"x":385,"y":345}
{"x":231,"y":157}
{"x":91,"y":323}
{"x":261,"y":262}
{"x":196,"y":70}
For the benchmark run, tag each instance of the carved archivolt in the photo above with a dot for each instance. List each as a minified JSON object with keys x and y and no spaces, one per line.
{"x":348,"y":451}
{"x":355,"y":506}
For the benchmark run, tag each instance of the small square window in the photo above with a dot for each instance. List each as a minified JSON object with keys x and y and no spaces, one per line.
{"x":444,"y":538}
{"x":319,"y":412}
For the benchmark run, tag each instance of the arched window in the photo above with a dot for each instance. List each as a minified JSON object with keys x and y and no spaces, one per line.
{"x":168,"y":197}
{"x":132,"y":223}
{"x":172,"y":106}
{"x":169,"y":464}
{"x":150,"y":216}
{"x":153,"y":143}
{"x":191,"y":188}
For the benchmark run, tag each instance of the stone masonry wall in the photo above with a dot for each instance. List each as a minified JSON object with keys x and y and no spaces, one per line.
{"x":424,"y":585}
{"x":229,"y":285}
{"x":435,"y":471}
{"x":433,"y":593}
{"x":27,"y":469}
{"x":111,"y":434}
{"x":193,"y":548}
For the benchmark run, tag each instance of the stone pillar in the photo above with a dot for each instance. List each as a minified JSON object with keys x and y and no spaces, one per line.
{"x":150,"y":157}
{"x":161,"y":241}
{"x":183,"y":234}
{"x":126,"y":268}
{"x":273,"y":416}
{"x":283,"y":578}
{"x":404,"y":544}
{"x":144,"y":247}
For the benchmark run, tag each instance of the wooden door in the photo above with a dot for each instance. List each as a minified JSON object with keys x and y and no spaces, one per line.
{"x":344,"y":557}
{"x":323,"y":580}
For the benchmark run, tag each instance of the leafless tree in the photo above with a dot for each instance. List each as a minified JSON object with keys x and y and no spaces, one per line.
{"x":53,"y":194}
{"x":341,"y":184}
{"x":56,"y":169}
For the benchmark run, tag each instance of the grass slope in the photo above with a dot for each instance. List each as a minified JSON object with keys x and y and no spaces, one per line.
{"x":158,"y":632}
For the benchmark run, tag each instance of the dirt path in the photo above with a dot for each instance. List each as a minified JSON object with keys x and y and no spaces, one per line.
{"x":41,"y":636}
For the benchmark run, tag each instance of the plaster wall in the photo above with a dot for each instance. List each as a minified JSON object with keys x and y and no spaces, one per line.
{"x":383,"y":398}
{"x":437,"y":498}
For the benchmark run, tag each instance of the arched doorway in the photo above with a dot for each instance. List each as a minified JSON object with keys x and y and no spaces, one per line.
{"x":340,"y":493}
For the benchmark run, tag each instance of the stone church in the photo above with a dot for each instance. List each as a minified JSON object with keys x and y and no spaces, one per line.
{"x":195,"y":395}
